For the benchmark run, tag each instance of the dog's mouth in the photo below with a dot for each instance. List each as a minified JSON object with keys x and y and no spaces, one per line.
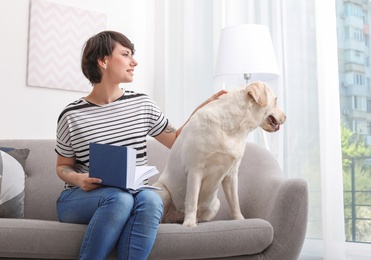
{"x":273,"y":122}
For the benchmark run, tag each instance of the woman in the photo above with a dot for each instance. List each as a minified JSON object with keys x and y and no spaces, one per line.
{"x":109,"y":114}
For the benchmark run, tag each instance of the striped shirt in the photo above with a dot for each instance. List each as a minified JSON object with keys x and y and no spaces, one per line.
{"x":126,"y":121}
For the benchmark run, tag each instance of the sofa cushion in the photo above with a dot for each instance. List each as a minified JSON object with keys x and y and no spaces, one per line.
{"x":11,"y":187}
{"x":40,"y":239}
{"x":212,"y":239}
{"x":174,"y":241}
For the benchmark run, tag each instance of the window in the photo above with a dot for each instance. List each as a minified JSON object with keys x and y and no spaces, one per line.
{"x":359,"y":103}
{"x":368,"y":128}
{"x":353,"y":9}
{"x":359,"y":79}
{"x":354,"y":56}
{"x":354,"y":33}
{"x":354,"y":78}
{"x":369,"y":106}
{"x":360,"y":127}
{"x":355,"y":139}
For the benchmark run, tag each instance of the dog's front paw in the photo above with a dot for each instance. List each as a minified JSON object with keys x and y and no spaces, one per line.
{"x":189,"y":222}
{"x":190,"y":219}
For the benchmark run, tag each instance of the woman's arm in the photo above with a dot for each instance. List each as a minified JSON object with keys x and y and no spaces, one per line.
{"x":67,"y":173}
{"x":168,"y":136}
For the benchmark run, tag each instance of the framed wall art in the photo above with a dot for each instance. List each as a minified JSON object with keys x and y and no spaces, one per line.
{"x":57,"y":34}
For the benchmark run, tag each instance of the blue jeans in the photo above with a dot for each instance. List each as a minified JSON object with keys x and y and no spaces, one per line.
{"x":114,"y":217}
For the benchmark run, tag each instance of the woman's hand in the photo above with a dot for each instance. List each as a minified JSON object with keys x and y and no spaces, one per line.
{"x":87,"y":184}
{"x":212,"y":98}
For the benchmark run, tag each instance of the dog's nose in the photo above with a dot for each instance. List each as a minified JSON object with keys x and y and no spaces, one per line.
{"x":282,"y":118}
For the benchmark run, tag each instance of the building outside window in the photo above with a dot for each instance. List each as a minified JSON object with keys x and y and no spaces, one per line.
{"x":353,"y":19}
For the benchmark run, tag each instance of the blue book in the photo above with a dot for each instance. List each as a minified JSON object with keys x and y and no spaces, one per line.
{"x":116,"y":167}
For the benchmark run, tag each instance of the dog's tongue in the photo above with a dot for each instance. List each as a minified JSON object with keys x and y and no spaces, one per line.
{"x":278,"y":127}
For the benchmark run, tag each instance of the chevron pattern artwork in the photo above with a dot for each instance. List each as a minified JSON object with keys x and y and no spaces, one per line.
{"x":57,"y":34}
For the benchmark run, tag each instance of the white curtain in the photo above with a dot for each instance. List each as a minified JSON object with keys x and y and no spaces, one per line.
{"x":304,"y":37}
{"x":185,"y":46}
{"x":312,"y":148}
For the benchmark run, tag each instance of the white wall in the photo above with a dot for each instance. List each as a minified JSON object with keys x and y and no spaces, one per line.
{"x":31,"y":112}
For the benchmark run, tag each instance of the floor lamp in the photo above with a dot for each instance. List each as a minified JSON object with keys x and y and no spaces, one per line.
{"x":246,"y":54}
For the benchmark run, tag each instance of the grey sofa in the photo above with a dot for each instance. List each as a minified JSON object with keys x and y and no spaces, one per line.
{"x":275,"y":209}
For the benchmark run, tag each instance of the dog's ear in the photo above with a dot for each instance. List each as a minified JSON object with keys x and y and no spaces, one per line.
{"x":258,"y":91}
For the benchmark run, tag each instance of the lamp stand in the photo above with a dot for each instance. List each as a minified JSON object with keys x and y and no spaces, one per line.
{"x":247,"y":77}
{"x":263,"y":134}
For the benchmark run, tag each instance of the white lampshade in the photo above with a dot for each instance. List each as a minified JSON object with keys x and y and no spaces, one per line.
{"x":245,"y":50}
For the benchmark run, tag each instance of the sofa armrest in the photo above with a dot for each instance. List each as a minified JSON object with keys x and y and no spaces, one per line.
{"x":285,"y":207}
{"x":267,"y":194}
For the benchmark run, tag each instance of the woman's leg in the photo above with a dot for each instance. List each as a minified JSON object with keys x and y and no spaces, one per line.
{"x":105,"y":210}
{"x":140,"y":231}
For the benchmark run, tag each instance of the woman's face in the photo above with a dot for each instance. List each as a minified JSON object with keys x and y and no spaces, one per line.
{"x":120,"y":65}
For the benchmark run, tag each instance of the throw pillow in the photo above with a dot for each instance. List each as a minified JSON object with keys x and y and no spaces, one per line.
{"x":19,"y":154}
{"x":12,"y":179}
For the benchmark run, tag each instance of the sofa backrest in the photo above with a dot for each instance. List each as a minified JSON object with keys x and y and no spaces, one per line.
{"x":43,"y":185}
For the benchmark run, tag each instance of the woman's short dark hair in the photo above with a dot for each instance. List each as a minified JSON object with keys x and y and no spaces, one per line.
{"x":97,"y":47}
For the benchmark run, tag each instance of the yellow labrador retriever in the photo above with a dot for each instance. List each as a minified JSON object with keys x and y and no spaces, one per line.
{"x":208,"y":152}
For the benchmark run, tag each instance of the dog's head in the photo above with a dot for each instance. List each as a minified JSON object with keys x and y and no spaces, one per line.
{"x":266,"y":101}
